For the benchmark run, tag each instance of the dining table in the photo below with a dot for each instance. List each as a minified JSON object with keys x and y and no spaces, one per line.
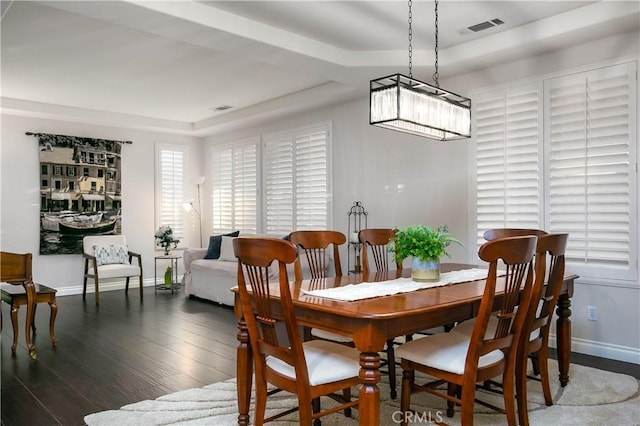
{"x":371,"y":321}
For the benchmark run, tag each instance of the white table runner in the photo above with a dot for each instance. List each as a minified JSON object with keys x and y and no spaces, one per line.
{"x":353,"y":292}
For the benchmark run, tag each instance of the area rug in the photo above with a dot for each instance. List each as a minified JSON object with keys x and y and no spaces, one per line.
{"x":592,"y":397}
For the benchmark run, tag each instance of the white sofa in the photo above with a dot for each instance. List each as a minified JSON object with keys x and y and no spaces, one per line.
{"x":210,"y":279}
{"x":213,"y":279}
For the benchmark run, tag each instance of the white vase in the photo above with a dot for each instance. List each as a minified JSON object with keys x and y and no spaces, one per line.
{"x":425,"y":271}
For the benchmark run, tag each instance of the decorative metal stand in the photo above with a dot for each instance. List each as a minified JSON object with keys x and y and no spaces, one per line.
{"x":357,"y":221}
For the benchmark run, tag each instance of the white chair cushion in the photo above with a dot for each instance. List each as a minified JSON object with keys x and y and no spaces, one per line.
{"x":327,"y":362}
{"x":446,"y":351}
{"x":327,"y":335}
{"x":466,"y":328}
{"x":116,"y":271}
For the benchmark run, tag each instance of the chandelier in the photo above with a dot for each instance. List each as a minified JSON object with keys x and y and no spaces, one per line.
{"x":402,"y":103}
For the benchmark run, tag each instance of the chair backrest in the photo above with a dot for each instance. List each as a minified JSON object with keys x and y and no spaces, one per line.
{"x":517,"y":255}
{"x":544,"y":298}
{"x":101,"y":240}
{"x":494,"y":234}
{"x":314,"y":244}
{"x":376,"y":240}
{"x":15,"y":268}
{"x":255,"y":255}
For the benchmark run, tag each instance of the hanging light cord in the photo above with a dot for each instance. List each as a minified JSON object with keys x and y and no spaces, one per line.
{"x":435,"y":74}
{"x":410,"y":38}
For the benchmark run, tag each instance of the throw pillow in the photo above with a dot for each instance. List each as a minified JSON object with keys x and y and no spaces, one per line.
{"x":226,"y":249}
{"x":213,"y":252}
{"x":111,"y":254}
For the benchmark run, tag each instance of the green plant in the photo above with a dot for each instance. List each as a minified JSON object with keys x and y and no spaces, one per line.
{"x":421,"y":241}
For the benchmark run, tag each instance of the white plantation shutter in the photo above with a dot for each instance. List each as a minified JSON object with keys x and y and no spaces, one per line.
{"x":170,"y":188}
{"x":591,"y":140}
{"x":296,"y":167}
{"x":508,"y":131}
{"x":235,"y":188}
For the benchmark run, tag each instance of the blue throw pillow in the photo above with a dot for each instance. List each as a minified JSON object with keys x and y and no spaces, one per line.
{"x":213,"y":252}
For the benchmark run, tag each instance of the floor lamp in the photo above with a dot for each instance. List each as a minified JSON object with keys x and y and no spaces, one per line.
{"x":189,"y":206}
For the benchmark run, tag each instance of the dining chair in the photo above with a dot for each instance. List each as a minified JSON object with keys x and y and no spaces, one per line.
{"x":308,"y":369}
{"x":16,"y":269}
{"x":376,"y":240}
{"x":461,"y":360}
{"x":493,"y":234}
{"x":108,"y":256}
{"x":534,"y":342}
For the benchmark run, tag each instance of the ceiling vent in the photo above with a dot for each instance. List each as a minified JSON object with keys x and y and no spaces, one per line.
{"x":222,"y":108}
{"x":482,"y":26}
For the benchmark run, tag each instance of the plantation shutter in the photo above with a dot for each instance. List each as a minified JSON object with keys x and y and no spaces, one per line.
{"x":234,"y":189}
{"x":508,"y":135}
{"x":170,"y":178}
{"x":591,"y":170}
{"x":296,"y":180}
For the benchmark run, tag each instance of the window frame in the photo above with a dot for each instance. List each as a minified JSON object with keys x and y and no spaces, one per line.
{"x":180,"y":233}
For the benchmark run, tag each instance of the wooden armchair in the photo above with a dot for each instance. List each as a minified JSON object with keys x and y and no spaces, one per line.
{"x":107,"y":256}
{"x":308,"y":369}
{"x":16,"y":269}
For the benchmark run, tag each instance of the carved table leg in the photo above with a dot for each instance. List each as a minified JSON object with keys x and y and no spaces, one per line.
{"x":369,"y":393}
{"x":244,"y":372}
{"x":563,"y":328}
{"x":52,"y":320}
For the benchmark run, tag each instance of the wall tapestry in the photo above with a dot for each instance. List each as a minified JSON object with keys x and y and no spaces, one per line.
{"x":80,"y":190}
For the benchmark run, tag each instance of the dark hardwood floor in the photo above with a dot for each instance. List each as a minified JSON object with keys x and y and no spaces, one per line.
{"x":124,"y":352}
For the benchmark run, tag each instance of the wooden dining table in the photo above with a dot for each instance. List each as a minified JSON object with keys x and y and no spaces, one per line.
{"x":370,"y":322}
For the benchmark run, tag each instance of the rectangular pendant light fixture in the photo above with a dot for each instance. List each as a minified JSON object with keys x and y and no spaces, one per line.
{"x":401,"y":103}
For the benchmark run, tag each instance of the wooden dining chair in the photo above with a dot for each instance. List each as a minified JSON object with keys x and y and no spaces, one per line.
{"x":534,"y":342}
{"x":376,"y":240}
{"x":16,"y":269}
{"x":461,"y":360}
{"x":494,"y":234}
{"x":535,"y":335}
{"x":308,"y":369}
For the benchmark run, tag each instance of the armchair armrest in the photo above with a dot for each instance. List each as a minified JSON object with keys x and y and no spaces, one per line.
{"x":137,"y":255}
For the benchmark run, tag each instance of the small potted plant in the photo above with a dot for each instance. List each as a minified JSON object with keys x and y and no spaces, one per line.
{"x":165,"y":239}
{"x":427,"y":245}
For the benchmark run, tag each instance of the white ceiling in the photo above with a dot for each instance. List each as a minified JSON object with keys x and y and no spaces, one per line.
{"x":167,"y":65}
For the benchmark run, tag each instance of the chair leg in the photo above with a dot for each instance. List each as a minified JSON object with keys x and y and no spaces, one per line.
{"x":543,"y":364}
{"x":95,"y":279}
{"x":261,"y":402}
{"x":391,"y":365}
{"x":315,"y":408}
{"x":14,"y":324}
{"x":468,"y":400}
{"x":536,"y":363}
{"x":452,"y":390}
{"x":126,"y":287}
{"x":408,"y":377}
{"x":52,"y":320}
{"x":33,"y":322}
{"x":508,"y":392}
{"x":521,"y":390}
{"x":141,"y":288}
{"x":84,"y":288}
{"x":346,"y":393}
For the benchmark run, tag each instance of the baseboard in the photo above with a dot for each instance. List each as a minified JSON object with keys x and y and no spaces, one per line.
{"x":602,"y":350}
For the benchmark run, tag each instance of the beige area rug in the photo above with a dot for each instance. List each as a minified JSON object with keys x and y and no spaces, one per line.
{"x":592,"y":397}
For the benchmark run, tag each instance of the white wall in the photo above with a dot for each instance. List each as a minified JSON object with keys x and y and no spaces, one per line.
{"x":20,"y":188}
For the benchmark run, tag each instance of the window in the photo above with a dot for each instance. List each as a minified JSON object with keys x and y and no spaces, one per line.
{"x":286,"y":177}
{"x":100,"y":173}
{"x":71,"y":171}
{"x":44,"y":169}
{"x":57,"y":170}
{"x":44,"y":183}
{"x":560,"y":155}
{"x":72,"y":186}
{"x":296,"y":176}
{"x":235,"y":188}
{"x":170,"y":169}
{"x":85,"y":171}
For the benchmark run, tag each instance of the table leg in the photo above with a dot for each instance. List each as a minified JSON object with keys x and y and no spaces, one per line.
{"x":244,"y":372}
{"x":52,"y":320}
{"x":369,"y":393}
{"x":563,"y":328}
{"x":31,"y":301}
